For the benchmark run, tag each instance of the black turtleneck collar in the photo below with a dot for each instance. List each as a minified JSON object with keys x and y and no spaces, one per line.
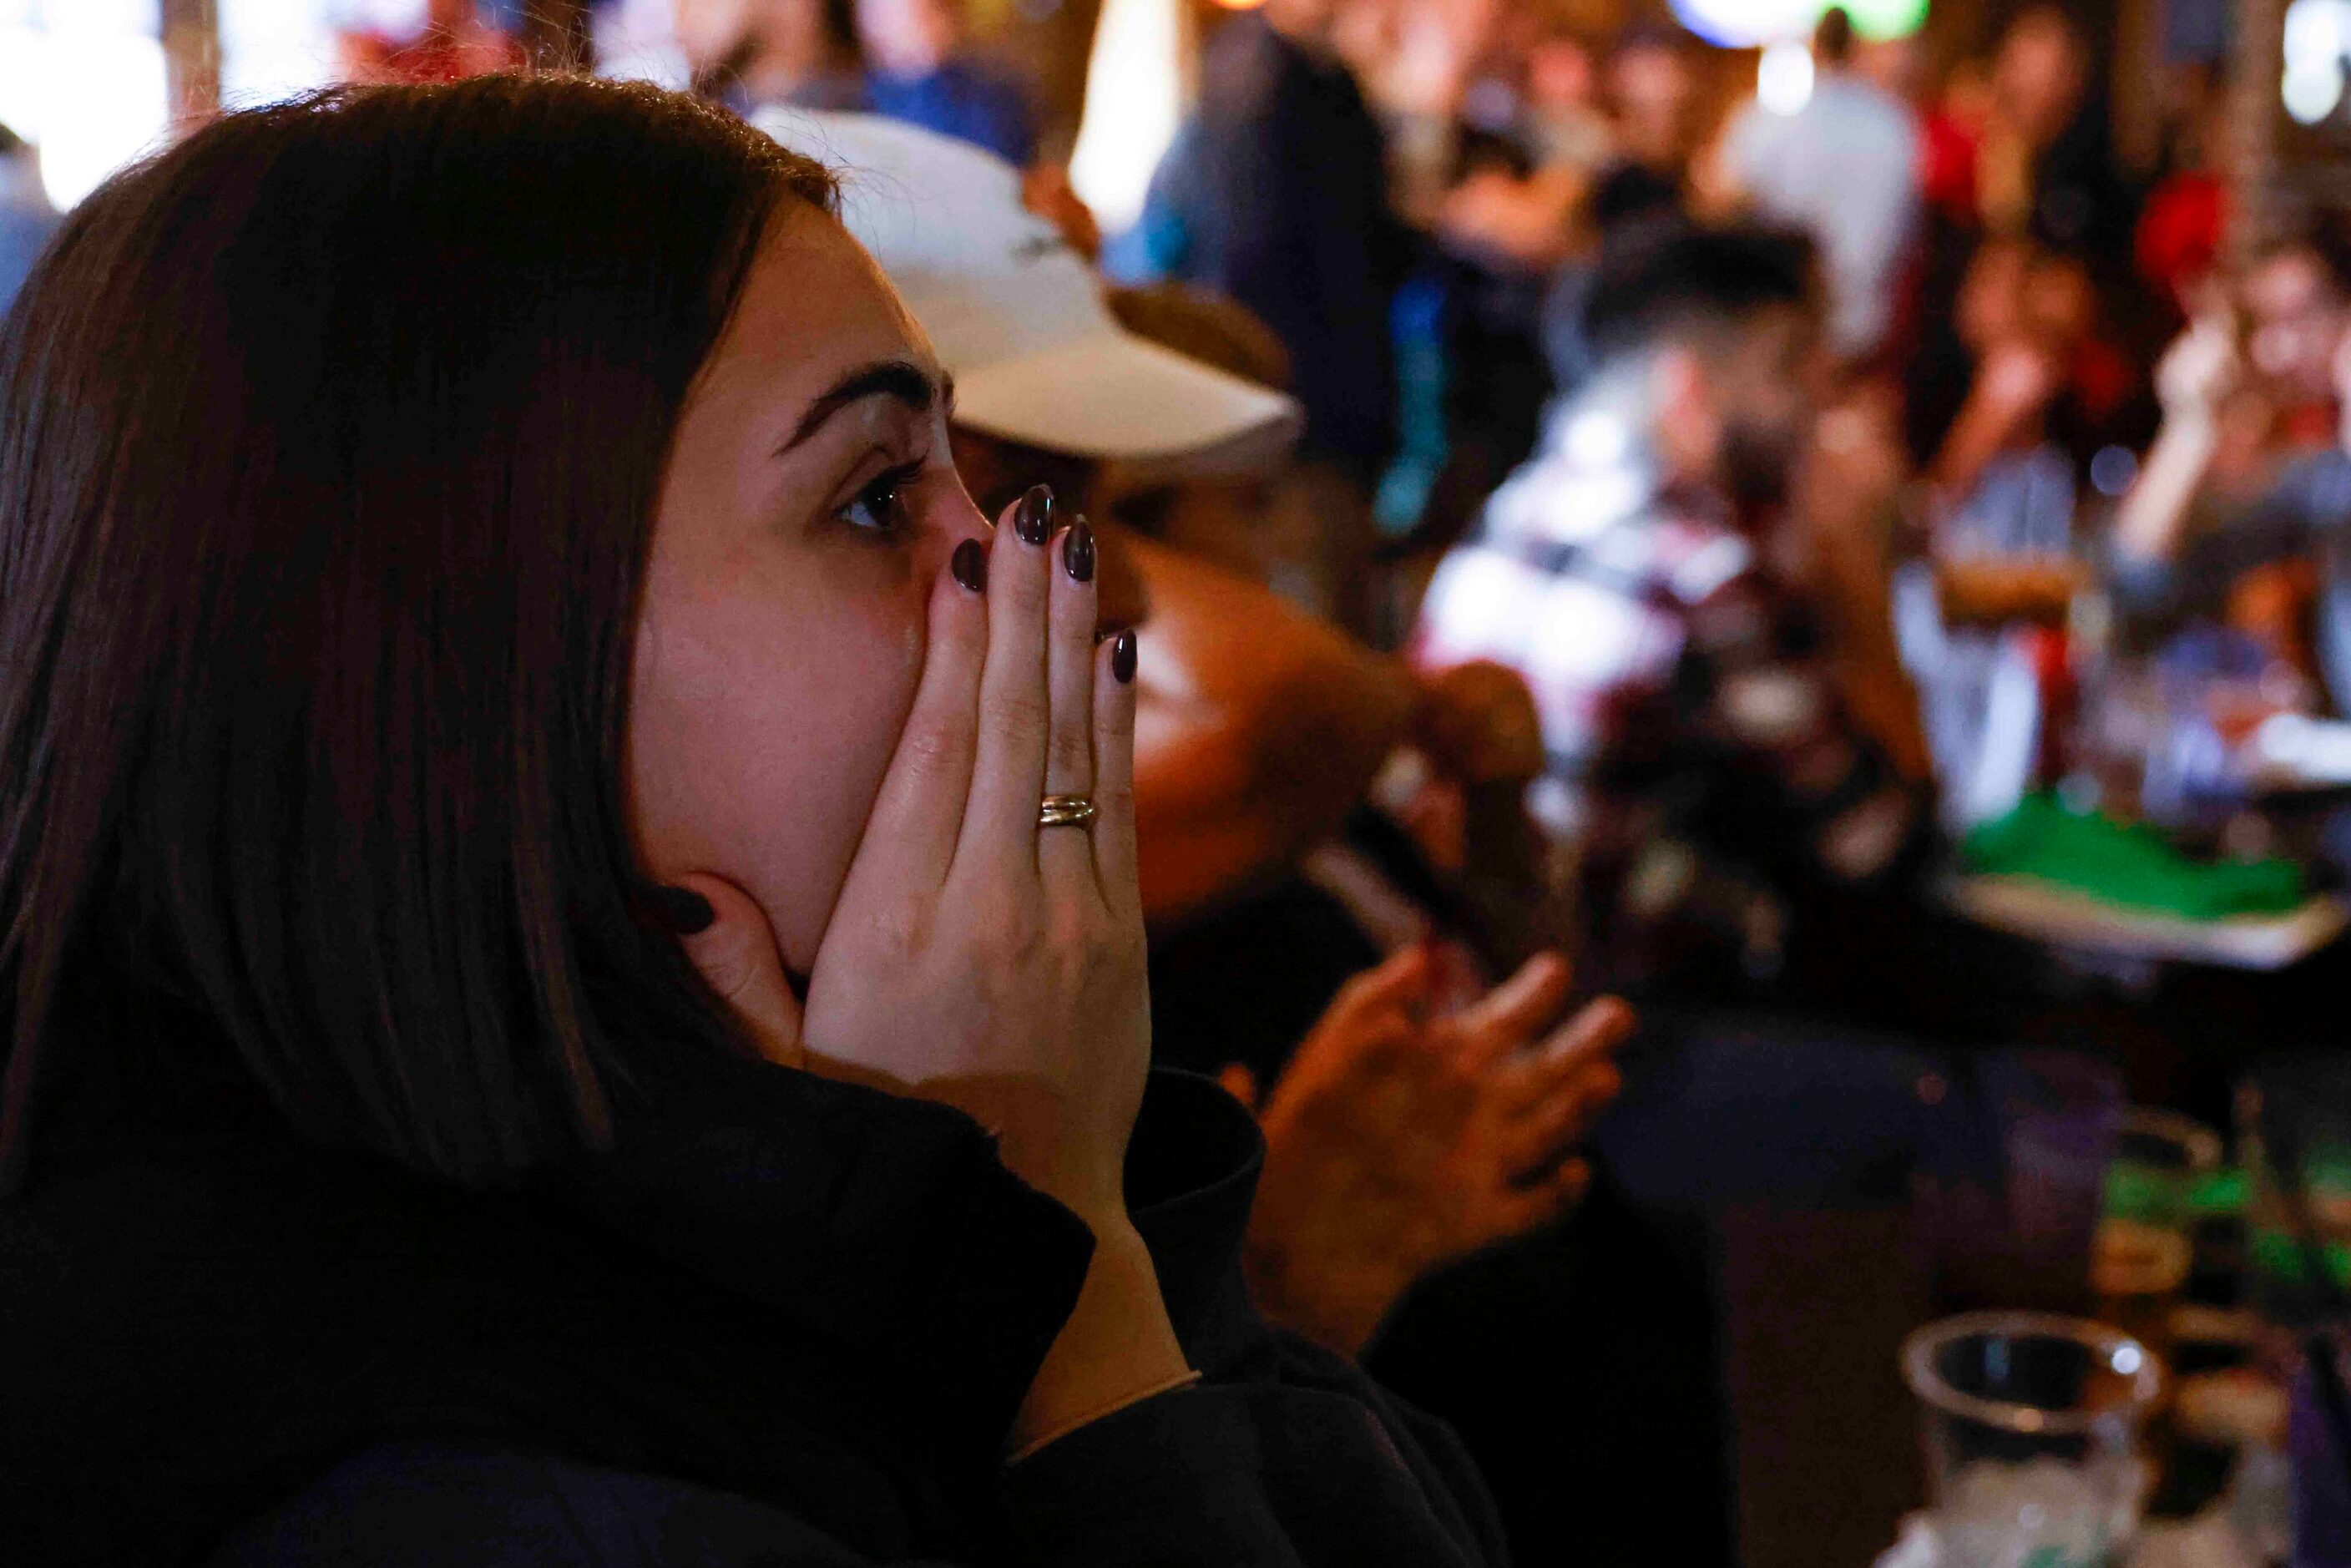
{"x":800,"y":1291}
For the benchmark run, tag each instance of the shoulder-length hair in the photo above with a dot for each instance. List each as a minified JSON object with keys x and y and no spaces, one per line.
{"x":329,"y":444}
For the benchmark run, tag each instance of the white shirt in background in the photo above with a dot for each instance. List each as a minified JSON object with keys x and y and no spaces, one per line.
{"x":1844,"y":168}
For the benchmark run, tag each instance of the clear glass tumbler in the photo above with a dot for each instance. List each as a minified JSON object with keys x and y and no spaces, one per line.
{"x":2032,"y":1429}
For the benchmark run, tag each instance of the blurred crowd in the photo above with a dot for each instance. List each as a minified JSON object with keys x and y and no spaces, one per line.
{"x":1587,"y":537}
{"x":1560,"y":315}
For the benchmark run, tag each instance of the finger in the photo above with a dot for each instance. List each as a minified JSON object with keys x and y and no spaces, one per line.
{"x":1068,"y":852}
{"x":1239,"y":1082}
{"x":1538,"y":1140}
{"x":1400,"y":984}
{"x":1539,"y":1202}
{"x":917,"y":817}
{"x":1597,"y":1029}
{"x":1589,"y":1038}
{"x":1372,"y":1078}
{"x":1509,"y":1016}
{"x":1008,"y":770}
{"x":1115,"y":863}
{"x":735,"y":952}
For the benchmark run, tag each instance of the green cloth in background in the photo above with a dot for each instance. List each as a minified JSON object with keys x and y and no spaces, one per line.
{"x":2128,"y":864}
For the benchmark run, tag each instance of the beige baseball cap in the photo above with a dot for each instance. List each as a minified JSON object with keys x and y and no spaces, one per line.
{"x":1016,"y":317}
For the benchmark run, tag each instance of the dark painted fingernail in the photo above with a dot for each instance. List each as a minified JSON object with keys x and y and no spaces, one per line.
{"x":1032,"y":519}
{"x":1122,"y":657}
{"x":1078,"y":552}
{"x":682,"y":910}
{"x":969,"y":564}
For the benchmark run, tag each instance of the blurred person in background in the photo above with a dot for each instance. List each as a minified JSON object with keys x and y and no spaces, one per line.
{"x":2048,"y":163}
{"x":1648,"y":84}
{"x":1651,"y":94}
{"x":1491,"y":118}
{"x":1504,"y":217}
{"x":797,"y":53}
{"x":1998,"y":507}
{"x":2017,"y":148}
{"x":1735,"y":749}
{"x":2006,"y":468}
{"x":1414,"y":65}
{"x":27,"y":217}
{"x":2024,"y":145}
{"x":2292,"y":306}
{"x":1276,"y":192}
{"x":1414,"y":1113}
{"x":920,"y":69}
{"x":453,"y":42}
{"x":1844,"y":168}
{"x":1563,"y":111}
{"x":1996,"y":511}
{"x":2027,"y":359}
{"x":2249,"y":470}
{"x":1694,"y":576}
{"x":1495,"y":138}
{"x":2183,"y":227}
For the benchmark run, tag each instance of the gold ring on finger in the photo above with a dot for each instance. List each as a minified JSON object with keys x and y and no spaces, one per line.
{"x":1064,"y":811}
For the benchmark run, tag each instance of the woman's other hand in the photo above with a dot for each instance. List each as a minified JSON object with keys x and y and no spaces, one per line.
{"x":1396,"y":1142}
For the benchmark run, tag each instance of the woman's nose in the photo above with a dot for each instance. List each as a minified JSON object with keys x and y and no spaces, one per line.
{"x":963,"y":520}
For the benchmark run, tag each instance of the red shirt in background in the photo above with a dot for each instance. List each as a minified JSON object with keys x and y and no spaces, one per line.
{"x":2180,"y":233}
{"x":1946,"y":166}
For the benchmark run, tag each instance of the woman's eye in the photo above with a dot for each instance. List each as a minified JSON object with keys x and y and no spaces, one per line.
{"x":881,"y":507}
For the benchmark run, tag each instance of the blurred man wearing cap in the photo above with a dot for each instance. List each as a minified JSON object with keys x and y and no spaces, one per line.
{"x":1259,"y":730}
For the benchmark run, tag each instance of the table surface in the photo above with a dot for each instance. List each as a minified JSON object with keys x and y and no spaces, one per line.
{"x":2043,"y":911}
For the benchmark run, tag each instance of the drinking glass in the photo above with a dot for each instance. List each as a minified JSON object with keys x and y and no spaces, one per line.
{"x":2011,"y":1208}
{"x":2141,"y":1256}
{"x":2032,"y":1430}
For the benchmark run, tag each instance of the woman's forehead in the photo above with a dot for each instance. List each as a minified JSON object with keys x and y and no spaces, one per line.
{"x":812,"y":304}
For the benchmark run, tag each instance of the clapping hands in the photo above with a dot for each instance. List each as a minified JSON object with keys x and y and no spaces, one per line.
{"x":1398,"y":1141}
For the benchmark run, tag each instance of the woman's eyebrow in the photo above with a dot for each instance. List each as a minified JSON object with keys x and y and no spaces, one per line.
{"x":919,"y":389}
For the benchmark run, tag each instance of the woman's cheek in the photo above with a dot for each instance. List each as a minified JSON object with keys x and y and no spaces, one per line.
{"x":836,"y":741}
{"x":827,"y":732}
{"x":759,"y":736}
{"x":740,"y":767}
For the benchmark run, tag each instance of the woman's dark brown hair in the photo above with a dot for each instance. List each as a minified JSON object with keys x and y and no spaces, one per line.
{"x":330,"y":443}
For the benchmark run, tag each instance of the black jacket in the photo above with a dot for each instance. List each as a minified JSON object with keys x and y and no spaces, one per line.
{"x":787,"y":1321}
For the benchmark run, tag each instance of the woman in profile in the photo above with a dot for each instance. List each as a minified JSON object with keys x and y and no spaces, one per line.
{"x":568,"y":910}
